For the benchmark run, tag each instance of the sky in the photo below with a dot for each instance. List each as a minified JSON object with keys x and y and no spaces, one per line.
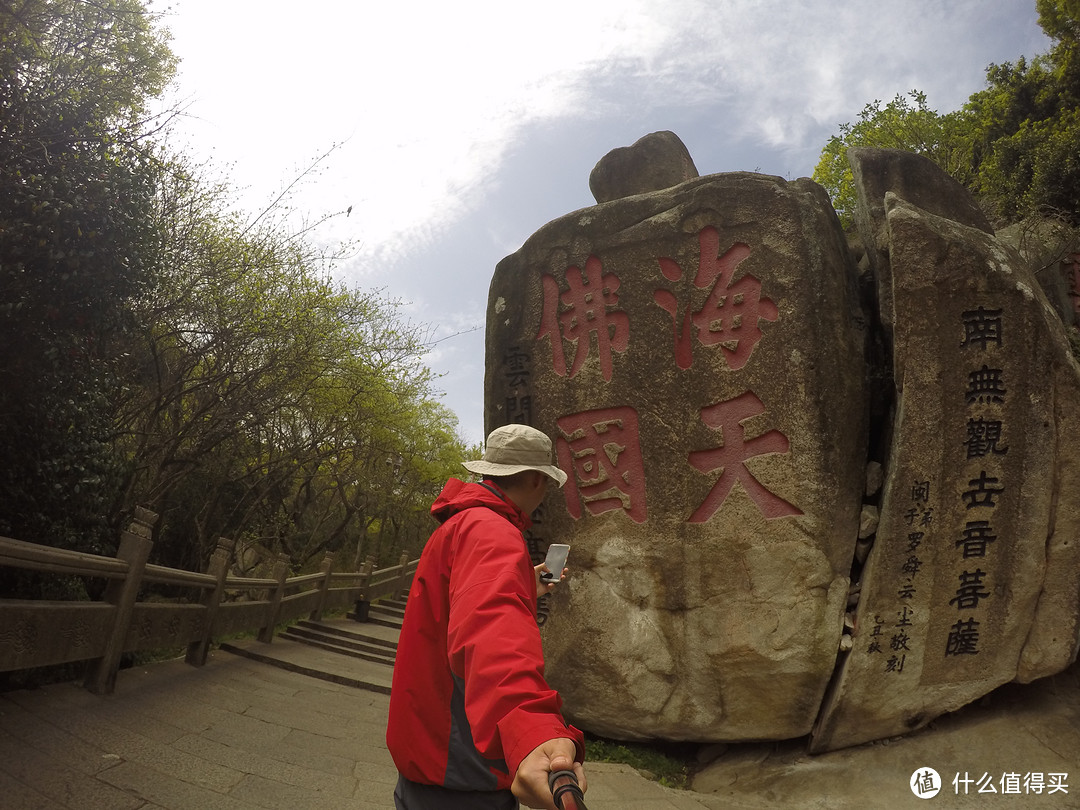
{"x":456,"y":130}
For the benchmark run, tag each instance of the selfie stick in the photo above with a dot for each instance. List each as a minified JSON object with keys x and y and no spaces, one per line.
{"x":564,"y":787}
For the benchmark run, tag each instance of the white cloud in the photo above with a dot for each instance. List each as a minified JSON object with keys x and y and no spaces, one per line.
{"x":430,"y":100}
{"x":429,"y":95}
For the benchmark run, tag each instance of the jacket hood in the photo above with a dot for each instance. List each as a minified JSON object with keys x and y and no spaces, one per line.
{"x":458,"y":495}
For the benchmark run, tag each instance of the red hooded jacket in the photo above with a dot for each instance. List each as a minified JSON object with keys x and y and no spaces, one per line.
{"x":469,"y":701}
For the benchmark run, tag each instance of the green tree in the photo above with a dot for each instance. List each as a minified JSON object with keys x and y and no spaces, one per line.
{"x":268,"y":399}
{"x":77,"y":180}
{"x":906,"y":122}
{"x":158,"y":349}
{"x":1014,"y":143}
{"x":1025,"y":126}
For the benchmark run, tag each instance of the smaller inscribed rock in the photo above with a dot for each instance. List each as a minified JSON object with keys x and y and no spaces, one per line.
{"x":657,"y":161}
{"x":919,"y":181}
{"x":973,"y":576}
{"x":1052,"y":254}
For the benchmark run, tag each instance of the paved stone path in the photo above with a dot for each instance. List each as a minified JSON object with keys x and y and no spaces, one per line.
{"x":237,"y":734}
{"x":242,"y":734}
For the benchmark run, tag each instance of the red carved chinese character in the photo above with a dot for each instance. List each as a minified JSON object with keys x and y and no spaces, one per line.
{"x":588,"y":309}
{"x":731,"y":312}
{"x":728,"y":417}
{"x":603,"y":449}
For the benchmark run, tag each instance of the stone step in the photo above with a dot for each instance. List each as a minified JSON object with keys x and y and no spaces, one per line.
{"x":343,"y":642}
{"x":386,"y":613}
{"x":325,"y":665}
{"x":322,"y":644}
{"x":352,"y":631}
{"x":350,"y":652}
{"x":390,"y":607}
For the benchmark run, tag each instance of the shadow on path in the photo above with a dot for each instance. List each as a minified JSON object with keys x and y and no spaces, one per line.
{"x":291,"y":726}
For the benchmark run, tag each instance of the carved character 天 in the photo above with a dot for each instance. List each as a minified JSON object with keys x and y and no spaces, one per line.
{"x":730,"y":458}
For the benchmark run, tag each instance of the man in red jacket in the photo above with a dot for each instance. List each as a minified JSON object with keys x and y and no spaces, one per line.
{"x":473,"y":724}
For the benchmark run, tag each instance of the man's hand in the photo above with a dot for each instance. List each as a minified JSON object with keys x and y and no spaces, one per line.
{"x":531,"y":780}
{"x":543,"y":587}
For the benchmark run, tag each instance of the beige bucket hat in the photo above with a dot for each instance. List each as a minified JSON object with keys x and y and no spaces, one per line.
{"x":515,"y":448}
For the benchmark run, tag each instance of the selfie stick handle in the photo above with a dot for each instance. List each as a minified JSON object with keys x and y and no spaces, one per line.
{"x":564,"y":787}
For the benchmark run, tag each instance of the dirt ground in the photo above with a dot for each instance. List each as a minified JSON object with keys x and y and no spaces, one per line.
{"x":1019,"y":747}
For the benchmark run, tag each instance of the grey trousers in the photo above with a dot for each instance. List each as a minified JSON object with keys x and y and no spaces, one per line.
{"x":410,"y":795}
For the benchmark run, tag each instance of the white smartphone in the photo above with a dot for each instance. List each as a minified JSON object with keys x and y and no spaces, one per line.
{"x":555,"y":561}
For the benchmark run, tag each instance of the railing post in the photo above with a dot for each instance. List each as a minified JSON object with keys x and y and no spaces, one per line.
{"x":362,"y":602}
{"x":281,"y":573}
{"x":403,"y":578}
{"x":327,"y":569}
{"x":135,"y":544}
{"x":219,"y":569}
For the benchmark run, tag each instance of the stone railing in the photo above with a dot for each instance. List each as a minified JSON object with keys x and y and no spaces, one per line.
{"x":36,"y":633}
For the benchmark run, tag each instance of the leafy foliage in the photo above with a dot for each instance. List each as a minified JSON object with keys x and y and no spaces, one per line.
{"x":1014,"y":143}
{"x":669,"y":764}
{"x":158,"y":349}
{"x":74,"y":245}
{"x":1025,"y":126}
{"x":271,"y":399}
{"x":906,"y":122}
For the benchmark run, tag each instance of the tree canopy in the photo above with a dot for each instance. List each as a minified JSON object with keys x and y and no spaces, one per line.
{"x":905,"y":122}
{"x":75,"y":78}
{"x":1014,"y":143}
{"x":271,"y":398}
{"x":158,"y":348}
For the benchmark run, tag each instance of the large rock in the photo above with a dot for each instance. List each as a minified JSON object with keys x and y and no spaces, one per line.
{"x":974,"y":576}
{"x":697,"y":354}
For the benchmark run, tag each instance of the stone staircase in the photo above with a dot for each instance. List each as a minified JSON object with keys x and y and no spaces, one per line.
{"x":367,"y":640}
{"x":387,"y":613}
{"x":343,"y":650}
